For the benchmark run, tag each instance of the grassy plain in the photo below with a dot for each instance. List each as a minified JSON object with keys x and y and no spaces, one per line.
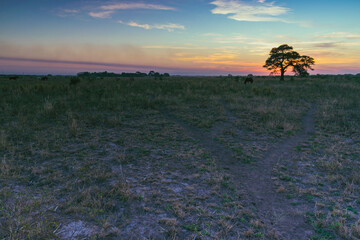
{"x":103,"y":160}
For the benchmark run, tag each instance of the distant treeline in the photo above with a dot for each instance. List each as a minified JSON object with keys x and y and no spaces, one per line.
{"x":124,"y":74}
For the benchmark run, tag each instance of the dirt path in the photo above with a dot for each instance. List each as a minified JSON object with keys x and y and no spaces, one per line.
{"x":255,"y":179}
{"x":273,"y":208}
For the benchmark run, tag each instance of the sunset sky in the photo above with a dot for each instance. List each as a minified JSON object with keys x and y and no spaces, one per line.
{"x":188,"y":37}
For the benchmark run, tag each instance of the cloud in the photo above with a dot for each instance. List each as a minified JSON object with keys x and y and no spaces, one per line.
{"x":71,"y":10}
{"x":66,"y":61}
{"x":73,"y":51}
{"x":107,"y":10}
{"x":345,"y":35}
{"x":286,"y":37}
{"x":259,"y":11}
{"x":171,"y":47}
{"x":212,"y":34}
{"x":122,"y":6}
{"x":66,"y":12}
{"x":326,"y":45}
{"x":233,"y":39}
{"x":169,"y":27}
{"x":104,"y":14}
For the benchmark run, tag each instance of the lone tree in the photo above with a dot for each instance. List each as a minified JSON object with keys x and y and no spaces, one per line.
{"x":283,"y":57}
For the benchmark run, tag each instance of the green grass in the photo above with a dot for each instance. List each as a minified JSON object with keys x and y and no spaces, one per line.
{"x":104,"y":152}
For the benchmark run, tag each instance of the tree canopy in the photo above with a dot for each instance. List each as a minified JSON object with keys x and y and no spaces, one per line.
{"x":283,"y":57}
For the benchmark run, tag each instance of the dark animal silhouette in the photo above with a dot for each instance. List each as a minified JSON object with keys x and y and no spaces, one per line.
{"x":248,"y":80}
{"x":13,"y":78}
{"x":44,"y":78}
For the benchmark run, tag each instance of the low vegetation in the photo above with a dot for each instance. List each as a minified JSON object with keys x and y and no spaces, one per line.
{"x":109,"y":158}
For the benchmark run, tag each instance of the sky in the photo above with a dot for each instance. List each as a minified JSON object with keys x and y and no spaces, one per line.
{"x":186,"y":37}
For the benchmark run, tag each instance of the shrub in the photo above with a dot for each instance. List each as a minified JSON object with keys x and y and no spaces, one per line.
{"x":74,"y":80}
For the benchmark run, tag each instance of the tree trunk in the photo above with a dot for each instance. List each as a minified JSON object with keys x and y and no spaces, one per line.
{"x":282,"y":75}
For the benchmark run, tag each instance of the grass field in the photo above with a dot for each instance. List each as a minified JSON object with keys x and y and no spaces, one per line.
{"x":121,"y":158}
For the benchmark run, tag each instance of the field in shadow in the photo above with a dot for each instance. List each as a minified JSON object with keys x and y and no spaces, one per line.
{"x":180,"y":158}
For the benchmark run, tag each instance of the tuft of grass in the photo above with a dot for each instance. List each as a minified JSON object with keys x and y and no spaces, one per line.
{"x":74,"y":128}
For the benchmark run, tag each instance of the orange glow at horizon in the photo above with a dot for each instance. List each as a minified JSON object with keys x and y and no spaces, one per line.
{"x":189,"y":60}
{"x":72,"y":68}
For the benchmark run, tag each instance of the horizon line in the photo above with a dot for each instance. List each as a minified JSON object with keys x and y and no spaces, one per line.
{"x":179,"y":71}
{"x":39,"y":60}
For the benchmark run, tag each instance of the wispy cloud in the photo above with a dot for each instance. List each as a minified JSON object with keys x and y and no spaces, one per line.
{"x":169,"y":27}
{"x":326,"y":45}
{"x":103,"y":14}
{"x":71,"y":10}
{"x":122,"y":6}
{"x":257,"y":11}
{"x":232,"y":39}
{"x":170,"y":47}
{"x":105,"y":11}
{"x":66,"y":12}
{"x":345,"y":35}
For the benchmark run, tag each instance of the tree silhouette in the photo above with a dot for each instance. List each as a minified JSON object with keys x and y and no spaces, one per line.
{"x":283,"y":57}
{"x":301,"y":66}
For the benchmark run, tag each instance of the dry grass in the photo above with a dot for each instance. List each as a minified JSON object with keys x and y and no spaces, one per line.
{"x":102,"y":157}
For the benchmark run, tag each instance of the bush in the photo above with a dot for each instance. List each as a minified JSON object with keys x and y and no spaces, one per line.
{"x":74,"y":80}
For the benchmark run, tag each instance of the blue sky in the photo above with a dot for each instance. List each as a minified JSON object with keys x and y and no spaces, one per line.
{"x":182,"y":37}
